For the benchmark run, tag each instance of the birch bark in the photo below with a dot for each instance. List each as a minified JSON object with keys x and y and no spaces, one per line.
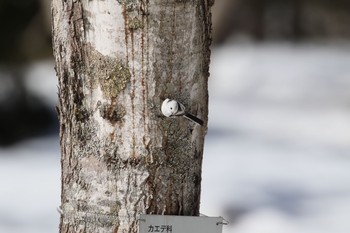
{"x":116,"y":61}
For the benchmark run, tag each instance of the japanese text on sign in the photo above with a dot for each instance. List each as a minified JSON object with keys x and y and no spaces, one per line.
{"x":179,"y":224}
{"x":161,"y":228}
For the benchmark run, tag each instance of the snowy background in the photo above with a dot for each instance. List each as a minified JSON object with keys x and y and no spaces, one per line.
{"x":277,"y":154}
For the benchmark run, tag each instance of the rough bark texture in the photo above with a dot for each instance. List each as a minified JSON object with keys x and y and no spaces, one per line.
{"x":116,"y":61}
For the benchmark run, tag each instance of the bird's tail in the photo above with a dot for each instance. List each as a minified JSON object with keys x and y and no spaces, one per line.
{"x":193,"y":118}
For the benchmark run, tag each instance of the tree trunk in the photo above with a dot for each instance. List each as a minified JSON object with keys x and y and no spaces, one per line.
{"x":116,"y":61}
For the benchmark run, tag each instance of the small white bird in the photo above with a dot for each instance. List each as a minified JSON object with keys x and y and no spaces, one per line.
{"x":174,"y":108}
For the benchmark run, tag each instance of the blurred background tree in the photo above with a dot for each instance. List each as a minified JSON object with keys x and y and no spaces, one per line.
{"x":281,"y":19}
{"x":25,"y":38}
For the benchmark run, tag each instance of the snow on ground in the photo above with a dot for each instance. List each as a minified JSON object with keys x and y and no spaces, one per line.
{"x":30,"y":187}
{"x":277,"y":154}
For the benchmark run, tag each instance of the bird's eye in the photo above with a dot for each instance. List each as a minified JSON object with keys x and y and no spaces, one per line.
{"x":171,"y":108}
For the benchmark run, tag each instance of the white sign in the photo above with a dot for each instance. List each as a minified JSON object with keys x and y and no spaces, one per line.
{"x":179,"y":224}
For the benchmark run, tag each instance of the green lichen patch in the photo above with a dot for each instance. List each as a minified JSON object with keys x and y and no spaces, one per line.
{"x":135,"y":23}
{"x":115,"y":81}
{"x":111,"y":74}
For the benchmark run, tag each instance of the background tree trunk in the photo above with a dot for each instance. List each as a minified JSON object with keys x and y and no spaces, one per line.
{"x":116,"y":61}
